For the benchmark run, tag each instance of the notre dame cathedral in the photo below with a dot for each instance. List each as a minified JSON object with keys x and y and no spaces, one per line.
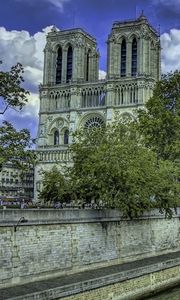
{"x":72,"y":96}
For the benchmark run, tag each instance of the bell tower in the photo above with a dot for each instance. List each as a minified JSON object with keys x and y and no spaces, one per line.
{"x":70,"y":56}
{"x":133,"y":50}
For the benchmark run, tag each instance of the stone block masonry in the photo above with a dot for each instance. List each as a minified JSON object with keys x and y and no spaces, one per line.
{"x":133,"y":280}
{"x":59,"y":242}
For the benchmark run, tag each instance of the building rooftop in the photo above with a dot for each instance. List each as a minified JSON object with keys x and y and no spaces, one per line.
{"x":129,"y":22}
{"x":57,"y":31}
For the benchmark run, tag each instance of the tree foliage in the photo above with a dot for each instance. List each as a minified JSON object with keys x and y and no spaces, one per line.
{"x":131,"y":165}
{"x":12,"y":94}
{"x":55,"y":187}
{"x":112,"y":166}
{"x":14,"y":145}
{"x":159,"y":122}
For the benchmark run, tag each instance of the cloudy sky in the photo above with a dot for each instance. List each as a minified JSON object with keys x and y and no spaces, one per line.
{"x":25,"y":23}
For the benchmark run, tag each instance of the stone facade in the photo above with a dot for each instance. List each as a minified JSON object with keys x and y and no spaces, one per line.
{"x":71,"y":95}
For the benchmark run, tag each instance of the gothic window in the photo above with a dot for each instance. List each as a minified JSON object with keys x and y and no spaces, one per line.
{"x":69,"y":64}
{"x":131,"y":95}
{"x":152,"y":58}
{"x":122,"y":97}
{"x":123,"y":58}
{"x":87,"y":65}
{"x":59,"y":65}
{"x":66,"y":137}
{"x":56,"y":137}
{"x":134,"y":58}
{"x":94,"y":122}
{"x":134,"y":96}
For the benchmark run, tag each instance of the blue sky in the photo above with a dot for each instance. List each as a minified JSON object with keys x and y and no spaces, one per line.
{"x":24,"y":24}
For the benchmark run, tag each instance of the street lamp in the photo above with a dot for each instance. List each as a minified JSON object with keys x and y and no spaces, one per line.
{"x":21,"y":220}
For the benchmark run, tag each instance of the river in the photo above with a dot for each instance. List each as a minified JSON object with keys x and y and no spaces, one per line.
{"x":173,"y":294}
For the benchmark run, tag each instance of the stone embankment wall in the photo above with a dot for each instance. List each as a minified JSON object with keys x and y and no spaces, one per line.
{"x":57,"y":242}
{"x":131,"y":289}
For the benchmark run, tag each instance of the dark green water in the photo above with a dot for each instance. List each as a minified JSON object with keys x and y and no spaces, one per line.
{"x":173,"y":294}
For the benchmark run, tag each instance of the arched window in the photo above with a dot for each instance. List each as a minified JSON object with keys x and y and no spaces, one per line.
{"x":134,"y":58}
{"x":131,"y":95}
{"x":66,"y":137}
{"x":87,"y":65}
{"x":59,"y":65}
{"x":152,"y":65}
{"x":56,"y":137}
{"x":122,"y":97}
{"x":69,"y":64}
{"x":123,"y":58}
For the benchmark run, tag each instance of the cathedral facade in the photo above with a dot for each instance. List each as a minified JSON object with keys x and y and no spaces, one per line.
{"x":72,"y":96}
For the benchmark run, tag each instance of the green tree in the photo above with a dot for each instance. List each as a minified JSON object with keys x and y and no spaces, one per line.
{"x":132,"y":166}
{"x":14,"y":145}
{"x":159,"y":122}
{"x":12,"y":94}
{"x":111,"y":165}
{"x":54,"y":186}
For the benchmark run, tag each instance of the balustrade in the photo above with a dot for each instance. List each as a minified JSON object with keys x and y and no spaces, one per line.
{"x":94,"y":94}
{"x":54,"y":155}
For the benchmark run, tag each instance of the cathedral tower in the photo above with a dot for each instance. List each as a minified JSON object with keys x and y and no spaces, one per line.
{"x":133,"y":50}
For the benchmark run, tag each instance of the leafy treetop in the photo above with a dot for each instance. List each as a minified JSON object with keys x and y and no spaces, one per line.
{"x":14,"y":145}
{"x":11,"y":92}
{"x":159,"y":122}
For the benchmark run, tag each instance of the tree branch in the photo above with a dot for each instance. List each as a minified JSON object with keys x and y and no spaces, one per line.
{"x":2,"y":112}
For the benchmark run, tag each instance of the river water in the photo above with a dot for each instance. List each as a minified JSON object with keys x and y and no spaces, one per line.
{"x":173,"y":294}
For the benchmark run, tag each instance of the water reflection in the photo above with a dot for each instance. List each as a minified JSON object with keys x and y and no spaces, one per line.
{"x":173,"y":294}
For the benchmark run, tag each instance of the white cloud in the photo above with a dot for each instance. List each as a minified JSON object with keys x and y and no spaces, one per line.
{"x":32,"y":108}
{"x":27,"y":117}
{"x":170,"y":43}
{"x":102,"y":74}
{"x":20,"y":46}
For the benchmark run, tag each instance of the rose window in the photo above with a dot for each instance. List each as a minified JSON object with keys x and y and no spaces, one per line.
{"x":94,"y":122}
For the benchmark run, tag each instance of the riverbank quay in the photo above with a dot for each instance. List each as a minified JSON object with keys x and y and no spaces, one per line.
{"x":45,"y":244}
{"x":132,"y":280}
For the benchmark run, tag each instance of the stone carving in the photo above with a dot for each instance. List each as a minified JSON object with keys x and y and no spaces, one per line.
{"x":79,"y":43}
{"x":79,"y":113}
{"x":48,"y":46}
{"x":116,"y":113}
{"x":60,"y":123}
{"x":112,"y":38}
{"x":50,"y":118}
{"x":68,"y":117}
{"x":41,"y":130}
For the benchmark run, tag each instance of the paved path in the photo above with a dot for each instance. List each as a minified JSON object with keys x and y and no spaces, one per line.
{"x":39,"y":286}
